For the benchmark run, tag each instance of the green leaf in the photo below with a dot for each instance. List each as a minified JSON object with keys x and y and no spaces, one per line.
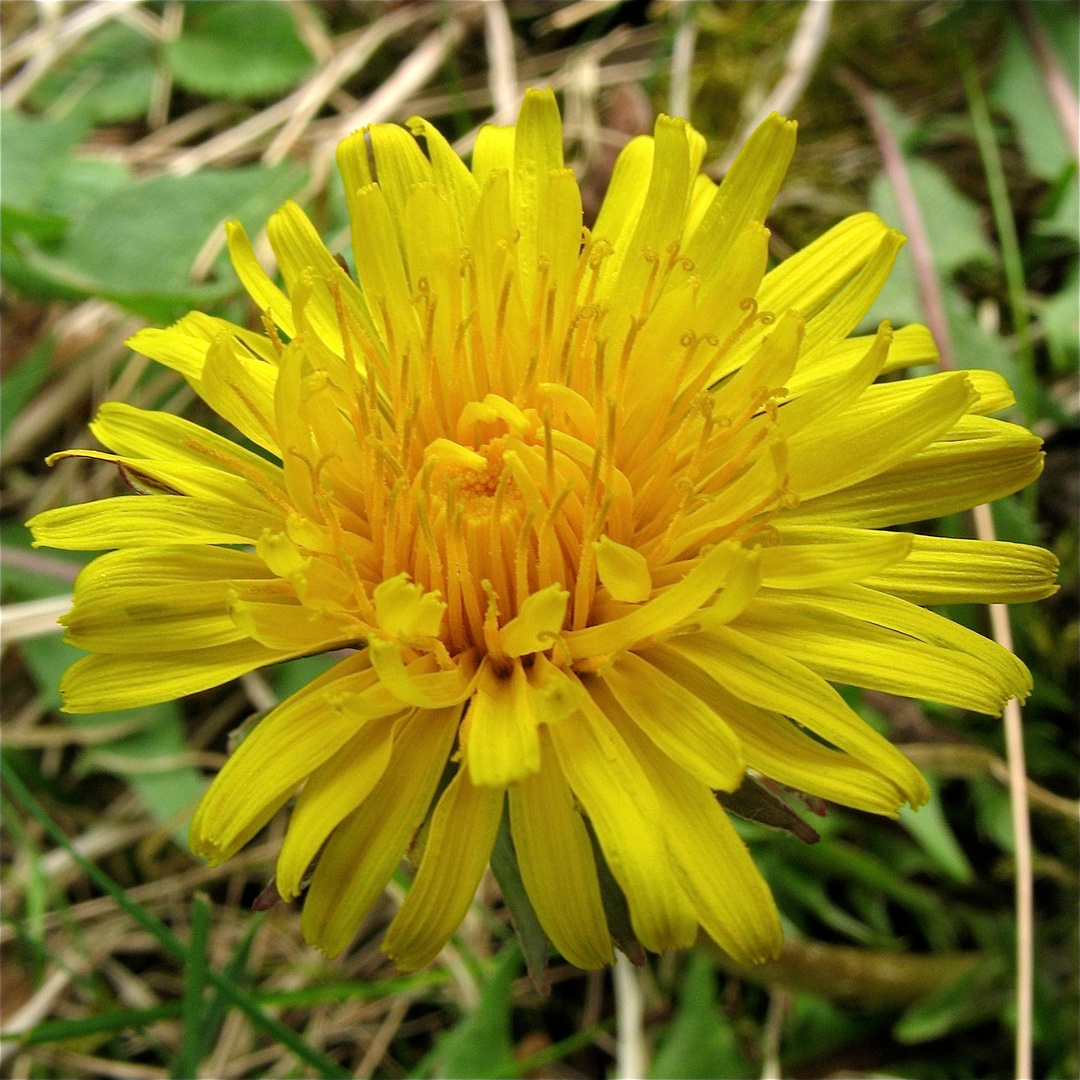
{"x":954,"y":223}
{"x":1063,"y":218}
{"x":974,"y":997}
{"x":82,"y":183}
{"x":1060,"y":318}
{"x":934,"y":835}
{"x":136,"y":245}
{"x":242,"y":49}
{"x":152,"y":231}
{"x":755,"y":802}
{"x":109,"y":80}
{"x":34,"y":152}
{"x":480,"y":1045}
{"x":531,"y":936}
{"x":699,"y":1043}
{"x":1020,"y":93}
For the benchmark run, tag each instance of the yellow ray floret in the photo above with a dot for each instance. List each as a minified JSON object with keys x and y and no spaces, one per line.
{"x":592,"y":515}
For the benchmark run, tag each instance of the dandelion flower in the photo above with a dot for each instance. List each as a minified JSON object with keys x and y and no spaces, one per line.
{"x":599,"y":518}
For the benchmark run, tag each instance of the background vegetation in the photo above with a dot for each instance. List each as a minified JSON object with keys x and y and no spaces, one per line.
{"x":130,"y":131}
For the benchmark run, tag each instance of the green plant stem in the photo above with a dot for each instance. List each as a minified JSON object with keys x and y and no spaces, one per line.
{"x":1001,"y":208}
{"x":187,"y":1060}
{"x":169,"y":941}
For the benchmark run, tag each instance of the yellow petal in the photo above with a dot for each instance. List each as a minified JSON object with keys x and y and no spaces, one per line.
{"x":826,"y":396}
{"x":291,"y":625}
{"x":365,"y":849}
{"x":859,"y":602}
{"x":181,"y":347}
{"x":623,"y":203}
{"x":405,"y":610}
{"x":854,"y":448}
{"x":300,"y":251}
{"x":147,"y":521}
{"x":911,"y":345}
{"x":379,"y":266}
{"x":767,"y":678}
{"x":622,"y":571}
{"x":399,"y":165}
{"x":241,"y":390}
{"x":680,"y":724}
{"x":459,"y":843}
{"x":456,"y":185}
{"x":140,"y":433}
{"x":810,"y":558}
{"x":747,"y":191}
{"x":185,"y":612}
{"x":555,"y":693}
{"x":660,"y":223}
{"x":858,"y":653}
{"x":267,"y":296}
{"x":285,"y":746}
{"x":503,"y":745}
{"x":811,"y":277}
{"x":104,"y":681}
{"x":332,"y":792}
{"x":494,"y":151}
{"x":730,"y":898}
{"x":846,"y":310}
{"x":775,"y":747}
{"x":661,"y":613}
{"x":941,"y":570}
{"x":353,"y":164}
{"x":992,"y":392}
{"x":978,"y":461}
{"x":621,"y":805}
{"x":557,"y":864}
{"x":537,"y":624}
{"x":537,"y":152}
{"x":417,"y":684}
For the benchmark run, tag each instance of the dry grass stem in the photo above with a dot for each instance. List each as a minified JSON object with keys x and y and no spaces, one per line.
{"x":502,"y":67}
{"x":799,"y":63}
{"x":631,"y":1058}
{"x":682,"y":62}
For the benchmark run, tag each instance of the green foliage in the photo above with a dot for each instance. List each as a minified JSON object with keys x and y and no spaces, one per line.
{"x":109,"y":80}
{"x":151,"y":737}
{"x":135,"y":243}
{"x":480,"y":1045}
{"x":239,"y":49}
{"x":34,"y":153}
{"x":700,"y":1042}
{"x":931,"y":829}
{"x":531,"y":937}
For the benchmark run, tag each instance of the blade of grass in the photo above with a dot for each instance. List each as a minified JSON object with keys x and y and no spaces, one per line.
{"x":338,"y":993}
{"x":109,"y":1021}
{"x":1005,"y":226}
{"x":213,"y":1015}
{"x":187,"y":1060}
{"x":169,"y":941}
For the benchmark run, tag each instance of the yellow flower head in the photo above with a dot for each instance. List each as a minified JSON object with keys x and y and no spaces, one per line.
{"x":597,"y":510}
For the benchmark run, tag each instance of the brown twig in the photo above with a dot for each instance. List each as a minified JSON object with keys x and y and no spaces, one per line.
{"x":1058,"y":88}
{"x":922,"y":255}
